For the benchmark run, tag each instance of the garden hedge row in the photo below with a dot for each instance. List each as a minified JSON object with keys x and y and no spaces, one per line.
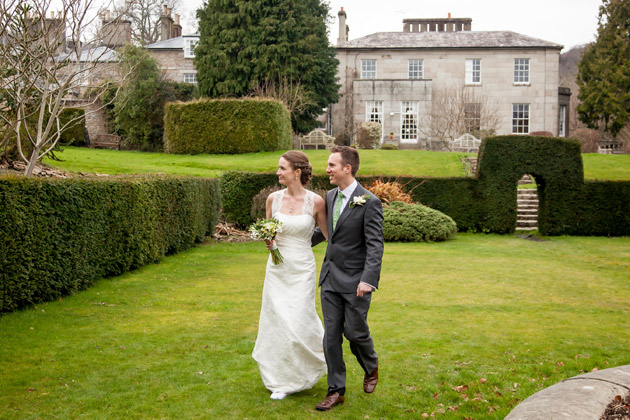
{"x":226,"y":126}
{"x":452,"y":196}
{"x":59,"y":236}
{"x":567,"y":204}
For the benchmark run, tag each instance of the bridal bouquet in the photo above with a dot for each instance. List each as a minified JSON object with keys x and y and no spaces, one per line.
{"x":267,"y":230}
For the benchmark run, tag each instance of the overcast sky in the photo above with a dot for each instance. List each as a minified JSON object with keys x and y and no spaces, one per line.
{"x":565,"y":22}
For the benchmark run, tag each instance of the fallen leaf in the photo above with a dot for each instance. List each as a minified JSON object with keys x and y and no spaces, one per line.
{"x":425,"y":416}
{"x":618,"y":398}
{"x":31,"y":389}
{"x":460,"y":388}
{"x":560,"y":364}
{"x":483,"y":380}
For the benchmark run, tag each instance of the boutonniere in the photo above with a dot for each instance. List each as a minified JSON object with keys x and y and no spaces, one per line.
{"x":359,"y":200}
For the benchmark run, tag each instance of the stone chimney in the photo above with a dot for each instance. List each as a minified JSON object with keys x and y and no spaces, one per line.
{"x":115,"y":32}
{"x":448,"y":24}
{"x":177,"y":28}
{"x":343,"y":28}
{"x":166,"y":23}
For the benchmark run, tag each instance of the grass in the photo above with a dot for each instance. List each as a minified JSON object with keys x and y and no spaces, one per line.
{"x":373,"y":162}
{"x":474,"y":325}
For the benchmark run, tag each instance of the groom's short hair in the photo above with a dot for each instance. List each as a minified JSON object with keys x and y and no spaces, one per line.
{"x":349,"y":156}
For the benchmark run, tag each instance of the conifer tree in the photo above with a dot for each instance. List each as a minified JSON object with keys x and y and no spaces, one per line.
{"x":245,"y":44}
{"x":604,"y":70}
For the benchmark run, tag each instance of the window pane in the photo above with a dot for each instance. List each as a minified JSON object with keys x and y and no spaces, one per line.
{"x":473,"y":71}
{"x":374,"y":111}
{"x":368,"y":69}
{"x":409,"y":120}
{"x":416,"y":69}
{"x":472,"y":118}
{"x":520,"y":118}
{"x":521,"y":70}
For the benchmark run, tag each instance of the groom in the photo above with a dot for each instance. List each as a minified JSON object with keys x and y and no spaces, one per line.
{"x":350,"y":272}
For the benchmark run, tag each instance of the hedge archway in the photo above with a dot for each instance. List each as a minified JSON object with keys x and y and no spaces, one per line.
{"x":556,"y":165}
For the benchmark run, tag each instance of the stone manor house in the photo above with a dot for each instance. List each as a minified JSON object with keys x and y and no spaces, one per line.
{"x":407,"y":81}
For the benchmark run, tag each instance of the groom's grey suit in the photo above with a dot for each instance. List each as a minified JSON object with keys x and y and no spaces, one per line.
{"x":353,"y":255}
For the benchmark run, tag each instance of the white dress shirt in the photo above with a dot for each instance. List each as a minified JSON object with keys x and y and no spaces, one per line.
{"x":346,"y":194}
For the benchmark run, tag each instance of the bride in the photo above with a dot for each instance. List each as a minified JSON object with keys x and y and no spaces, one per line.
{"x":289,"y":349}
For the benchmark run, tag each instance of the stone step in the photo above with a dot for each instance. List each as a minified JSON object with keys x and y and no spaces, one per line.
{"x":527,"y":218}
{"x":526,"y":228}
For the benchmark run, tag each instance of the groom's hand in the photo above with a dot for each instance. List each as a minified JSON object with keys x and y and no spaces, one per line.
{"x":363,"y":288}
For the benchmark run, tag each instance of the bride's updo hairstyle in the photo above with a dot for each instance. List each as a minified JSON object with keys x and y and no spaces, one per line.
{"x":299,"y":160}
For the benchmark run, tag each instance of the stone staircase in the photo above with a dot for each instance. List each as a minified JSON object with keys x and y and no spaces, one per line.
{"x":527,"y":209}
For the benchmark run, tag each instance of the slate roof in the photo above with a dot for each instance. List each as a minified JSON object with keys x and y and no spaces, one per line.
{"x":176,"y":43}
{"x":91,"y":54}
{"x":461,"y":39}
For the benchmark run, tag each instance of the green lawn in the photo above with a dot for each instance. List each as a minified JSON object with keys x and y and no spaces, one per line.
{"x":499,"y":317}
{"x":373,"y":162}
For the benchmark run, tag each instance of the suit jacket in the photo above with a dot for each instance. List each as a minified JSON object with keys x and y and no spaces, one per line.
{"x":355,"y":248}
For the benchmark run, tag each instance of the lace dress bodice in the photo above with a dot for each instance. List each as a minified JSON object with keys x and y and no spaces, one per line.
{"x":296,"y":229}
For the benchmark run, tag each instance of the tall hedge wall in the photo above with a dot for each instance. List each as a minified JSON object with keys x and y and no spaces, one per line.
{"x":59,"y":236}
{"x":226,"y":126}
{"x":567,"y":204}
{"x":455,"y":197}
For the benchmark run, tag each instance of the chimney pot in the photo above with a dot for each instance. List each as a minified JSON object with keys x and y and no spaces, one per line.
{"x":176,"y":19}
{"x":165,"y":10}
{"x":52,"y":14}
{"x":449,"y":15}
{"x":107,"y":15}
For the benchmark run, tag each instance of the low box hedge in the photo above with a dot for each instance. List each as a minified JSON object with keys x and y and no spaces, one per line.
{"x":59,"y":236}
{"x":227,"y":126}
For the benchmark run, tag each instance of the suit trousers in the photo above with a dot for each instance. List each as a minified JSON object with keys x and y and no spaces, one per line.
{"x":345,"y":314}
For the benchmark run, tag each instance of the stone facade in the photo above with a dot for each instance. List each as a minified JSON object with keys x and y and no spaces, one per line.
{"x":444,"y":55}
{"x":176,"y":57}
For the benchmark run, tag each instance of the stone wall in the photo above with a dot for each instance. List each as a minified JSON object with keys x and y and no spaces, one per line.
{"x":173,"y":64}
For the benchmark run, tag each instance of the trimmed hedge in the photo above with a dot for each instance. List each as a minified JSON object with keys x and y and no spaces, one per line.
{"x":455,"y":197}
{"x":227,"y":126}
{"x":60,"y":236}
{"x":416,"y":223}
{"x":556,"y":165}
{"x":487,"y":204}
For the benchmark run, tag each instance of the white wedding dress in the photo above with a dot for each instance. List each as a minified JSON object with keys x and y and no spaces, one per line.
{"x":289,"y":348}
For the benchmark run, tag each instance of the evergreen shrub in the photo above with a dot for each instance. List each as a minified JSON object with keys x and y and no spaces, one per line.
{"x":75,"y":133}
{"x":227,"y":126}
{"x":389,"y":146}
{"x":61,"y":235}
{"x":416,"y":223}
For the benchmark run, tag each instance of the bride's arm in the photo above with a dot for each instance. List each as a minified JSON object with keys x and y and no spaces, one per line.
{"x":320,"y":215}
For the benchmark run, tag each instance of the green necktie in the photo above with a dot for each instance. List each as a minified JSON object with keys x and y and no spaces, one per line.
{"x":337,"y":209}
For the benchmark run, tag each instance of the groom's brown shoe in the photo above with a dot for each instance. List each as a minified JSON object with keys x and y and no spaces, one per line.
{"x":330,"y":401}
{"x":370,"y":381}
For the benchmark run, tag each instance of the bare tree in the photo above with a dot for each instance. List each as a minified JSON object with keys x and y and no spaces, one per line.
{"x":145,"y":17}
{"x":44,"y":62}
{"x":291,"y":94}
{"x":459,"y":110}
